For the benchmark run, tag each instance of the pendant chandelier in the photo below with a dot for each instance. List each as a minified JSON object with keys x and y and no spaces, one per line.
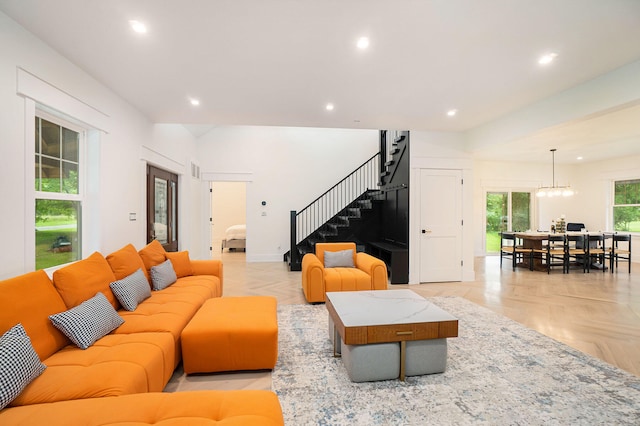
{"x":554,"y":190}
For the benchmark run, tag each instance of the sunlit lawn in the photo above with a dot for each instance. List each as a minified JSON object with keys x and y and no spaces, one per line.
{"x":633,"y":227}
{"x":493,"y":242}
{"x":45,"y":257}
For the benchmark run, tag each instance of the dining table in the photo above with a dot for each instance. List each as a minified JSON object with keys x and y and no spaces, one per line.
{"x":534,"y":240}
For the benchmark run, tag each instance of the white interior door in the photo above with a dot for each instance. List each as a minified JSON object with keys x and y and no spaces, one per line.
{"x":440,"y":225}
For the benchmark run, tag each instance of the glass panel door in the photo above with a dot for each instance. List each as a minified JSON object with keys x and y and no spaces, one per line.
{"x":506,"y":211}
{"x":497,"y":219}
{"x":162,"y":208}
{"x":520,"y":211}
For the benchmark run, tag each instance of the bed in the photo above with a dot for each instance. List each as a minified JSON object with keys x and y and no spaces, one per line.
{"x":235,"y":237}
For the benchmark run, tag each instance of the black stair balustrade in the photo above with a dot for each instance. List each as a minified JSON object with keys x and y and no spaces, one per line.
{"x":326,"y":213}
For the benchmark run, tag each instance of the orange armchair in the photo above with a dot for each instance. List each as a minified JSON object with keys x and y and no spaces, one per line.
{"x":367,"y":273}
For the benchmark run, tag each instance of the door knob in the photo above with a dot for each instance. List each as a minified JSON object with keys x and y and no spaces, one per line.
{"x":426,"y":231}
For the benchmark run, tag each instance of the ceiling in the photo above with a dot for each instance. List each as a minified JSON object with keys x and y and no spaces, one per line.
{"x":279,"y":62}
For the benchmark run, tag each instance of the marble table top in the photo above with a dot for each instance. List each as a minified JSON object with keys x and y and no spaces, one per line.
{"x":380,"y":307}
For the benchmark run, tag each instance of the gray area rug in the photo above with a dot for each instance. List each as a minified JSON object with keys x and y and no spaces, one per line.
{"x":498,"y":373}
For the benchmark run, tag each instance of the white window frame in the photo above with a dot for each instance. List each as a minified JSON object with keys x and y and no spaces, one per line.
{"x":40,"y":94}
{"x":614,"y":205}
{"x":82,"y":167}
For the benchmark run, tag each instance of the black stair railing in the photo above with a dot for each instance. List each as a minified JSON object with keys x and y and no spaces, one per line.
{"x":326,"y":206}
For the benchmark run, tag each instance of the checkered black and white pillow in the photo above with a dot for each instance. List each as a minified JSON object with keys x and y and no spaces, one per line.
{"x":87,"y":322}
{"x":163,"y":275}
{"x":131,"y":290}
{"x":19,"y":364}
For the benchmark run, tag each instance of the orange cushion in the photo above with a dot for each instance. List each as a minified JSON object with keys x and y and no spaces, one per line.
{"x":125,"y":262}
{"x":181,"y":263}
{"x":152,"y":254}
{"x":30,"y":299}
{"x":211,"y":407}
{"x":81,"y":280}
{"x":115,"y":365}
{"x":346,"y":279}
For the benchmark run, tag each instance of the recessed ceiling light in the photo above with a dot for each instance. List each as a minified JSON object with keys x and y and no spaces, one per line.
{"x":329,"y":107}
{"x":138,"y":26}
{"x":194,"y":102}
{"x":363,"y":43}
{"x":579,"y":158}
{"x":547,"y":59}
{"x":452,"y":112}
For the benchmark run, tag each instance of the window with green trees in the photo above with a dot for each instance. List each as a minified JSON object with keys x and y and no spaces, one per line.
{"x":58,"y":196}
{"x":626,"y":205}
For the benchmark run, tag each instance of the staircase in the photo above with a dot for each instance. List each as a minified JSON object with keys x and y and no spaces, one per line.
{"x":351,"y":210}
{"x":353,"y":223}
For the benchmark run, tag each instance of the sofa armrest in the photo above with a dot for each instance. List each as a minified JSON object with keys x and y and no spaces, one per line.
{"x":313,"y":278}
{"x":208,"y":267}
{"x":375,"y":268}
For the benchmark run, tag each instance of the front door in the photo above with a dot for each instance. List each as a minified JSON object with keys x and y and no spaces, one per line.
{"x":440,"y":225}
{"x":162,"y":208}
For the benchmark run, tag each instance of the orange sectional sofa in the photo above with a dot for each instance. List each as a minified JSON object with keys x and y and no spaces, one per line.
{"x":138,"y":357}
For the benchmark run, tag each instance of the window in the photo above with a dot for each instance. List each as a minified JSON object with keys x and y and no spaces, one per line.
{"x":506,"y":211}
{"x":58,"y":192}
{"x":626,"y":205}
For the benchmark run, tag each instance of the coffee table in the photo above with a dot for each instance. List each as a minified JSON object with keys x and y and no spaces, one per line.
{"x":368,"y":327}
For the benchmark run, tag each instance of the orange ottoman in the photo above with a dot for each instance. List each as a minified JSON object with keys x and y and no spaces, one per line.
{"x":232,"y":333}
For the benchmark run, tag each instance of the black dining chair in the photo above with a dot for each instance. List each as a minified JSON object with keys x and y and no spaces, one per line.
{"x":620,"y":250}
{"x":576,"y":251}
{"x":553,"y":252}
{"x":597,"y":250}
{"x":510,"y":248}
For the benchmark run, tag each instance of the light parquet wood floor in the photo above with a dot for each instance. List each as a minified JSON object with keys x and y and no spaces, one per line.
{"x":596,"y":313}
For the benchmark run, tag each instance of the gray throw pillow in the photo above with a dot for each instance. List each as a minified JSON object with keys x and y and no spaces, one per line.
{"x":19,"y":364}
{"x":338,"y":259}
{"x":163,"y":275}
{"x":87,"y":322}
{"x":131,"y":290}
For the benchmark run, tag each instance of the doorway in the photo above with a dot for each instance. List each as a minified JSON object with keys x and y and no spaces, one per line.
{"x":228,"y":217}
{"x":505,"y":211}
{"x":440,"y":225}
{"x":162,"y":207}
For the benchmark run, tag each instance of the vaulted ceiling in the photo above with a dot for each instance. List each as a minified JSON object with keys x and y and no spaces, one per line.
{"x":280,"y":62}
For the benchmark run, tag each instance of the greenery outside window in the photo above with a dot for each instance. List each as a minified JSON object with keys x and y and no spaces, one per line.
{"x":58,"y":201}
{"x":506,"y":211}
{"x":626,"y":205}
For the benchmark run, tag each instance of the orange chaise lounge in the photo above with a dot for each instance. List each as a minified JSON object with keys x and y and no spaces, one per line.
{"x":337,"y":267}
{"x":119,"y":377}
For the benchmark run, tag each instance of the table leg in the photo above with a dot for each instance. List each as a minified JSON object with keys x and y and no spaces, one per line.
{"x":336,"y":336}
{"x":403,"y":354}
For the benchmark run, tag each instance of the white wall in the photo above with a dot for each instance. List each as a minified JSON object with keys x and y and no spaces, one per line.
{"x":286,"y":167}
{"x":123,"y":151}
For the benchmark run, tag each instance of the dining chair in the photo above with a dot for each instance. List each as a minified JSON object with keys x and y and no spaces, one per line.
{"x":620,"y":251}
{"x":510,"y":248}
{"x":553,"y":252}
{"x":597,"y":250}
{"x":576,"y":250}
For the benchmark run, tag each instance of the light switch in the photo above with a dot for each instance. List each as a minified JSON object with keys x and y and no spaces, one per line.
{"x":132,"y":217}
